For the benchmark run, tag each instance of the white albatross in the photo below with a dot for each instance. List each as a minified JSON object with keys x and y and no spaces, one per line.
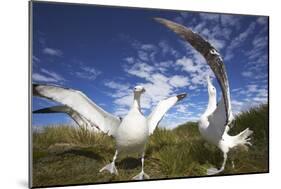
{"x":212,"y":127}
{"x":130,"y":133}
{"x":214,"y":124}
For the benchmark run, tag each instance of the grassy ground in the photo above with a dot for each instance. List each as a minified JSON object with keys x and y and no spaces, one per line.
{"x":64,"y":155}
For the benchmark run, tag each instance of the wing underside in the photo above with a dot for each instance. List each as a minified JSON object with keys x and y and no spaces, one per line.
{"x":80,"y":104}
{"x":158,"y":113}
{"x":211,"y":55}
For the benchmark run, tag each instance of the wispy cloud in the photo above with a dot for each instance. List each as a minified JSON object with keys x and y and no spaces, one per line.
{"x":249,"y":96}
{"x":238,"y":41}
{"x":35,"y":59}
{"x":47,"y":76}
{"x":52,"y":51}
{"x":52,"y":75}
{"x":179,"y":81}
{"x":42,"y":78}
{"x":86,"y":72}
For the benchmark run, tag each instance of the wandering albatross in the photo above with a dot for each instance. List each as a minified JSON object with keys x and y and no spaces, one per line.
{"x":214,"y":124}
{"x":130,"y":133}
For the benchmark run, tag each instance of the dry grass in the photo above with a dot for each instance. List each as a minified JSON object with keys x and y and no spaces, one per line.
{"x":64,"y":155}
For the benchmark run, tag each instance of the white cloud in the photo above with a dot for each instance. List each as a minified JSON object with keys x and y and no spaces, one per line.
{"x":124,"y":102}
{"x":262,"y":20}
{"x":87,"y":72}
{"x":250,"y":96}
{"x":260,"y":42}
{"x":35,"y":59}
{"x":130,"y":60}
{"x":217,"y":43}
{"x":210,"y":16}
{"x":47,"y":76}
{"x":179,"y":81}
{"x":238,"y":41}
{"x":53,"y":75}
{"x":42,"y":78}
{"x":140,"y":69}
{"x":167,"y":49}
{"x":252,"y":88}
{"x":148,"y":47}
{"x":120,"y":89}
{"x":247,"y":74}
{"x":115,"y":85}
{"x":230,"y":20}
{"x":52,"y":52}
{"x":143,"y":55}
{"x":188,"y":65}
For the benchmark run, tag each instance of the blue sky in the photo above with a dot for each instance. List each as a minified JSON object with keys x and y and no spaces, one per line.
{"x":106,"y":51}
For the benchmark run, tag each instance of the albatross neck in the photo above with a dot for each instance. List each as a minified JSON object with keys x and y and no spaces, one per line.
{"x":136,"y":103}
{"x":212,"y":104}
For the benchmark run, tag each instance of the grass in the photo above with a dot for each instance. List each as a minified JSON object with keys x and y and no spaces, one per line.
{"x":64,"y":155}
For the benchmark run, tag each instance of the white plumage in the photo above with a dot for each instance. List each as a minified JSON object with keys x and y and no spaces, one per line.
{"x":212,"y":127}
{"x":214,"y":124}
{"x":130,"y":133}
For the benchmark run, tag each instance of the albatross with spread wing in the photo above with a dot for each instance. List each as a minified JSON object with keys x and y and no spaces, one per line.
{"x":130,"y":133}
{"x":214,"y":124}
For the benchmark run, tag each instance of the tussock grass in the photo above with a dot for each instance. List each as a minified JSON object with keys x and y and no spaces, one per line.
{"x":64,"y":155}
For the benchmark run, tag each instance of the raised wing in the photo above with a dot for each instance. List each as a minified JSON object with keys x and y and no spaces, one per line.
{"x":217,"y":120}
{"x":211,"y":55}
{"x":81,"y":104}
{"x":158,"y":113}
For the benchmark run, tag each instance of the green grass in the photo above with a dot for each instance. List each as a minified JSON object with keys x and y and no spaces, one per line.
{"x":64,"y":155}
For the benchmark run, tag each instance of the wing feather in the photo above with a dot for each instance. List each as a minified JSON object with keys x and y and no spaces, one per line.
{"x":211,"y":55}
{"x":81,"y":104}
{"x":81,"y":122}
{"x":158,"y":113}
{"x":217,"y":120}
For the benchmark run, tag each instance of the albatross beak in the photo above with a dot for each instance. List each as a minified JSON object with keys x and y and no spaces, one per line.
{"x":181,"y":96}
{"x":211,"y":55}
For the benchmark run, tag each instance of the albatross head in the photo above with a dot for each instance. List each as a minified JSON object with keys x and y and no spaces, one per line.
{"x":139,"y":89}
{"x":211,"y":89}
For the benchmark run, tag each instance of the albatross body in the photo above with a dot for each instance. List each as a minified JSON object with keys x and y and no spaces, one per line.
{"x":130,"y":133}
{"x":213,"y":129}
{"x":215,"y":123}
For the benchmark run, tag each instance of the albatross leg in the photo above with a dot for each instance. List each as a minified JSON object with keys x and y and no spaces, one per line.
{"x":213,"y":171}
{"x":142,"y":175}
{"x":111,"y":166}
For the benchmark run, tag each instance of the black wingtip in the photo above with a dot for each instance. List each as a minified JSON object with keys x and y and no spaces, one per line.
{"x":34,"y":91}
{"x":43,"y":110}
{"x":181,"y":96}
{"x":38,"y":111}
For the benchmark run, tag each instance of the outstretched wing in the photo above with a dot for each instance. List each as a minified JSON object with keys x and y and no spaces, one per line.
{"x":211,"y":55}
{"x":81,"y":122}
{"x":217,"y":120}
{"x":81,"y":104}
{"x":158,"y":113}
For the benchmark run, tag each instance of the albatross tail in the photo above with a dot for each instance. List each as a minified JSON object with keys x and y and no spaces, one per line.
{"x":242,"y":139}
{"x":228,"y":142}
